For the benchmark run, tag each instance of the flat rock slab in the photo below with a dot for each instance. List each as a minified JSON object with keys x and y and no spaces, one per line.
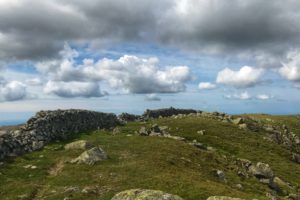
{"x":80,"y":144}
{"x":142,"y":194}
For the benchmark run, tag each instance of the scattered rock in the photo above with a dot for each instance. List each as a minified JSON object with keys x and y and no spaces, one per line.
{"x":239,"y":186}
{"x":174,"y":137}
{"x":261,"y":171}
{"x":238,"y":121}
{"x":90,"y":190}
{"x":143,"y":131}
{"x":72,"y":189}
{"x":91,"y":156}
{"x":296,"y":158}
{"x":80,"y":144}
{"x":142,"y":194}
{"x":221,"y":175}
{"x":222,"y":198}
{"x":243,"y":126}
{"x":279,"y":186}
{"x":30,"y":167}
{"x":201,"y":132}
{"x":199,"y":145}
{"x":116,"y":131}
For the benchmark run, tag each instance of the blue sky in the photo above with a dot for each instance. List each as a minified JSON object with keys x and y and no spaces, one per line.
{"x":207,"y":55}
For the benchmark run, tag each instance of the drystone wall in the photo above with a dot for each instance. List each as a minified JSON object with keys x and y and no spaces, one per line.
{"x":47,"y":126}
{"x":167,"y":112}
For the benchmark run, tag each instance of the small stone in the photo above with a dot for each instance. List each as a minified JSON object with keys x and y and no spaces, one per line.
{"x":143,"y":131}
{"x":72,"y":189}
{"x":239,"y":186}
{"x":243,"y":126}
{"x":201,"y":132}
{"x":221,"y":175}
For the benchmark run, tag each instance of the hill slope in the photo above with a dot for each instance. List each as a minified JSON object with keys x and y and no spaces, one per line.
{"x":208,"y":162}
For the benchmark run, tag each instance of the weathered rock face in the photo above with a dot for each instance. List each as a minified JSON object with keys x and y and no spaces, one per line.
{"x":47,"y":126}
{"x":167,"y":112}
{"x":91,"y":156}
{"x":141,"y":194}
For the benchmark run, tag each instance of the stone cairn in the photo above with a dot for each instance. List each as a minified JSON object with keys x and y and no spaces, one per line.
{"x":47,"y":126}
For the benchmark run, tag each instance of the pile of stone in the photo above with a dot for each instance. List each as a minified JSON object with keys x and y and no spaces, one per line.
{"x":264,"y":174}
{"x":47,"y":126}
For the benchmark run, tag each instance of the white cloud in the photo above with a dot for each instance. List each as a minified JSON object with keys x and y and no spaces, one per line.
{"x":243,"y":78}
{"x":291,"y":69}
{"x":242,"y":96}
{"x":12,"y":91}
{"x":263,"y":97}
{"x":73,"y":89}
{"x":129,"y":73}
{"x":206,"y":86}
{"x":152,"y":97}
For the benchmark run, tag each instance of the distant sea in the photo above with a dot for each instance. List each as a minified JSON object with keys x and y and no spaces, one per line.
{"x":11,"y":122}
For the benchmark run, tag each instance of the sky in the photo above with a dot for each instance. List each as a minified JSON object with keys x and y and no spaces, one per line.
{"x":234,"y":56}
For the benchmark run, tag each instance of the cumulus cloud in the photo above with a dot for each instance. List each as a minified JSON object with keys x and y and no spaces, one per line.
{"x":129,"y":73}
{"x":243,"y":78}
{"x":242,"y":96}
{"x":291,"y":69}
{"x":73,"y":89}
{"x":12,"y":91}
{"x":206,"y":86}
{"x":152,"y":97}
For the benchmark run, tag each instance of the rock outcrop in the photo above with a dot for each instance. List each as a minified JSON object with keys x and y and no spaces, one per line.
{"x":142,"y":194}
{"x":91,"y":156}
{"x":47,"y":126}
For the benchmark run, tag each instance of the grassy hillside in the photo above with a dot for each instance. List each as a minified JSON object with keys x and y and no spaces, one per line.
{"x":155,"y":163}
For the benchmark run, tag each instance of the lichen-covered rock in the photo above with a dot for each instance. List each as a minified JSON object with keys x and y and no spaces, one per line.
{"x":80,"y":144}
{"x":142,"y":194}
{"x":261,"y":171}
{"x":222,"y":198}
{"x":91,"y":156}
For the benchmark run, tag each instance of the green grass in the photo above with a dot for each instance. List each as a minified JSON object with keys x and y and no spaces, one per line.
{"x":152,"y":163}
